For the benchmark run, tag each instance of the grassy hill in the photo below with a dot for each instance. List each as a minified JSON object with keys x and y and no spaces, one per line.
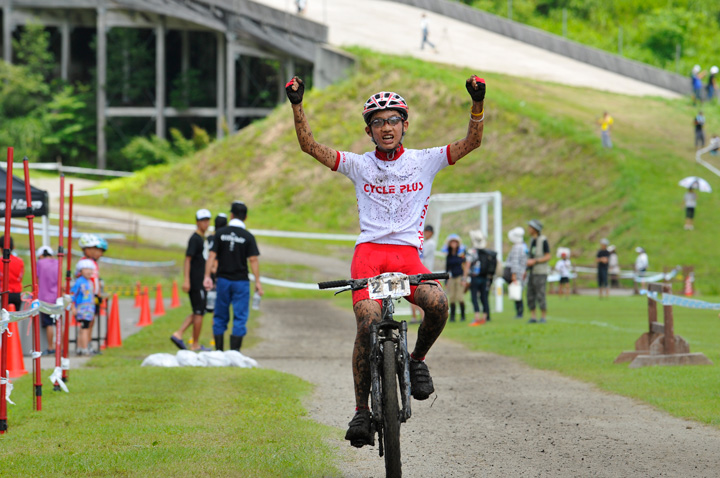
{"x":541,"y":149}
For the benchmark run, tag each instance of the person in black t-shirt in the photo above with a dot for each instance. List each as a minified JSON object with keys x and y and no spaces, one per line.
{"x":234,"y":248}
{"x":193,"y":273}
{"x":603,"y":262}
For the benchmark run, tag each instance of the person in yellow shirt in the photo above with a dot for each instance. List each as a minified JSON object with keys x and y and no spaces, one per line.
{"x":605,"y":125}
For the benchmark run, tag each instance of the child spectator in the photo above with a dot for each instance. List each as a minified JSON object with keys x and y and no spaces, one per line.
{"x":564,"y":267}
{"x":16,"y":271}
{"x":47,"y":275}
{"x":83,"y":304}
{"x":93,"y":248}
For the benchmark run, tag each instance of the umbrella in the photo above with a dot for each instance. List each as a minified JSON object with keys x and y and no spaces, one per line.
{"x":697,"y":183}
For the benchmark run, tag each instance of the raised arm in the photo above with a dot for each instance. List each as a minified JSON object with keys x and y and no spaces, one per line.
{"x":459,"y":149}
{"x":295,"y":89}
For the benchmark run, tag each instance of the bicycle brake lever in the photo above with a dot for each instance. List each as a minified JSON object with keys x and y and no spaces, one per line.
{"x":342,"y":290}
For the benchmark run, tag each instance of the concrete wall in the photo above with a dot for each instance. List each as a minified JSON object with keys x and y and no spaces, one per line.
{"x":547,"y":41}
{"x":331,"y":66}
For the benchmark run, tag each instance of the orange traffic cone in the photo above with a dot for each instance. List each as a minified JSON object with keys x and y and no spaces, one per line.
{"x":73,"y":322}
{"x":15,"y":362}
{"x":138,"y":300}
{"x":145,"y":318}
{"x":159,"y":304}
{"x":114,"y":337}
{"x":175,"y":302}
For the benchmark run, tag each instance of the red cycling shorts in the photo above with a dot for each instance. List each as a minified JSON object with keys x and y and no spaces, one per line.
{"x":372,"y":259}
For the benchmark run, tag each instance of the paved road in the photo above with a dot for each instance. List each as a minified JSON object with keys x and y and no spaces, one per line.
{"x":394,"y":28}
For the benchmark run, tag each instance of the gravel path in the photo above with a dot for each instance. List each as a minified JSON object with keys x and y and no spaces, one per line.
{"x":493,"y":416}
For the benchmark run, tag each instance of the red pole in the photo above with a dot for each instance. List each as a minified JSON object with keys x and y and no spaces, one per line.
{"x":61,"y":256}
{"x":5,"y":286}
{"x":37,"y":395}
{"x":68,"y":276}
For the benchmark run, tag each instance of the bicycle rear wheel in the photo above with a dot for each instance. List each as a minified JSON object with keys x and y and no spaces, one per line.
{"x":391,"y":412}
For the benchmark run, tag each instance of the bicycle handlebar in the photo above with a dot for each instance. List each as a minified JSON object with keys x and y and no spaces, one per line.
{"x":357,"y":284}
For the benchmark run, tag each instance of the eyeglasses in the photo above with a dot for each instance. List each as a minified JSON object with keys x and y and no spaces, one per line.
{"x":379,"y":122}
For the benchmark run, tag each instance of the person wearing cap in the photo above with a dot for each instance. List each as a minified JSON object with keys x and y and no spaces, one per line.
{"x":641,"y":265}
{"x":234,"y":248}
{"x":711,"y":85}
{"x":93,"y":248}
{"x":538,"y":264}
{"x":613,"y":267}
{"x":602,"y":259}
{"x":83,"y":305}
{"x":480,"y":266}
{"x":193,"y":274}
{"x":516,"y":264}
{"x":564,"y":268}
{"x":220,"y":222}
{"x":16,"y":271}
{"x":47,"y":277}
{"x":696,"y":76}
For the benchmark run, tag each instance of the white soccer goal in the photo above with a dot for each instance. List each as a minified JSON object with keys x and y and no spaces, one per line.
{"x":447,"y":203}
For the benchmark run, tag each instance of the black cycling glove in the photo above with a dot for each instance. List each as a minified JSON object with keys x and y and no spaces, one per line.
{"x":295,"y":96}
{"x":477,"y":93}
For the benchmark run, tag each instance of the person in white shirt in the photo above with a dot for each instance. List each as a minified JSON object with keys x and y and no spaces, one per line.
{"x":392,"y":186}
{"x":564,"y":268}
{"x":641,"y":264}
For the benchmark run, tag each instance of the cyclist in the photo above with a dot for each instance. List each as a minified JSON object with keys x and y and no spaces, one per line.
{"x":392,"y":185}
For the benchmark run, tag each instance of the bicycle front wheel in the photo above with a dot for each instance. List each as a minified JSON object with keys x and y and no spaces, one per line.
{"x":391,"y":412}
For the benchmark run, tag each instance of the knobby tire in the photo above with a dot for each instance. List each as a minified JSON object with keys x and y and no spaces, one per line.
{"x":391,"y":413}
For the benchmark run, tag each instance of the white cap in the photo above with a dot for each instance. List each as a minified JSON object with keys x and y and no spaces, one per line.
{"x":43,"y":249}
{"x":714,"y":70}
{"x":202,"y":214}
{"x":604,"y":241}
{"x":639,"y":249}
{"x":85,"y":264}
{"x":696,"y":69}
{"x":516,"y":235}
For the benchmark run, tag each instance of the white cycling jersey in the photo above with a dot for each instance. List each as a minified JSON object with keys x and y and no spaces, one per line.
{"x":393,"y":195}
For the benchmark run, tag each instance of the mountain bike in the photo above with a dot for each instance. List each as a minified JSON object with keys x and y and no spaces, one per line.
{"x":389,"y":359}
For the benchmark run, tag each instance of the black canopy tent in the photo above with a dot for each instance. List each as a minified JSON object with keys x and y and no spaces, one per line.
{"x":39,"y":198}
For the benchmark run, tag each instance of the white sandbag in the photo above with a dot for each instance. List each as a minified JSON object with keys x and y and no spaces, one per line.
{"x":237,"y":359}
{"x":160,"y":360}
{"x":188,"y":358}
{"x":215,"y":358}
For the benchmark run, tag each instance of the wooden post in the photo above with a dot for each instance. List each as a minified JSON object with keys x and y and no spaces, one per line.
{"x":101,"y":84}
{"x":160,"y":78}
{"x":220,"y":84}
{"x":669,"y":323}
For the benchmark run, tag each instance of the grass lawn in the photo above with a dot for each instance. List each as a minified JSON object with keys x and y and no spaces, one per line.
{"x":120,"y":419}
{"x":583,"y":337}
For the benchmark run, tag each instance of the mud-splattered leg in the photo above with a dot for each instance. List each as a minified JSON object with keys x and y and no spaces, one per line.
{"x":366,"y":312}
{"x":434,"y":302}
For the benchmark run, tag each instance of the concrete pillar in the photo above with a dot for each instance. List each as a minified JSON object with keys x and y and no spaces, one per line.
{"x":288,"y":72}
{"x":230,"y":82}
{"x":160,"y":31}
{"x":8,"y":28}
{"x":220,"y":84}
{"x":65,"y":50}
{"x":101,"y":84}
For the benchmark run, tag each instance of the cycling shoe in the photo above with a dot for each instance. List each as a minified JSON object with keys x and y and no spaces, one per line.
{"x":421,"y":384}
{"x":359,"y":431}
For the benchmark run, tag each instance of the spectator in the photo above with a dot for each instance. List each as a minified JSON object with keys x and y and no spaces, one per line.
{"x":690,"y":200}
{"x":602,"y":259}
{"x":220,"y":222}
{"x":83,"y":304}
{"x":699,"y":130}
{"x":93,"y":247}
{"x":234,"y":248}
{"x":193,"y":275}
{"x":517,"y":262}
{"x":455,"y":285}
{"x":300,"y":5}
{"x":16,"y":271}
{"x":711,"y":86}
{"x":480,"y":266}
{"x":606,"y":123}
{"x":538,"y":269}
{"x":696,"y":77}
{"x":47,"y":276}
{"x":427,"y":257}
{"x":614,"y":267}
{"x":564,"y":268}
{"x":425,"y":29}
{"x":641,"y":265}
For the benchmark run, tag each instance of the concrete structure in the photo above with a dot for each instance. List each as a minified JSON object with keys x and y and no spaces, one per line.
{"x":241,"y":28}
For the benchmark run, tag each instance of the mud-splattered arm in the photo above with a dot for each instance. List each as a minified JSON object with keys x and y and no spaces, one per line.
{"x":461,"y":148}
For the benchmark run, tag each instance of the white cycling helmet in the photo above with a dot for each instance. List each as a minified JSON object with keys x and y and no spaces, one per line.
{"x":385,"y":100}
{"x":89,"y":240}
